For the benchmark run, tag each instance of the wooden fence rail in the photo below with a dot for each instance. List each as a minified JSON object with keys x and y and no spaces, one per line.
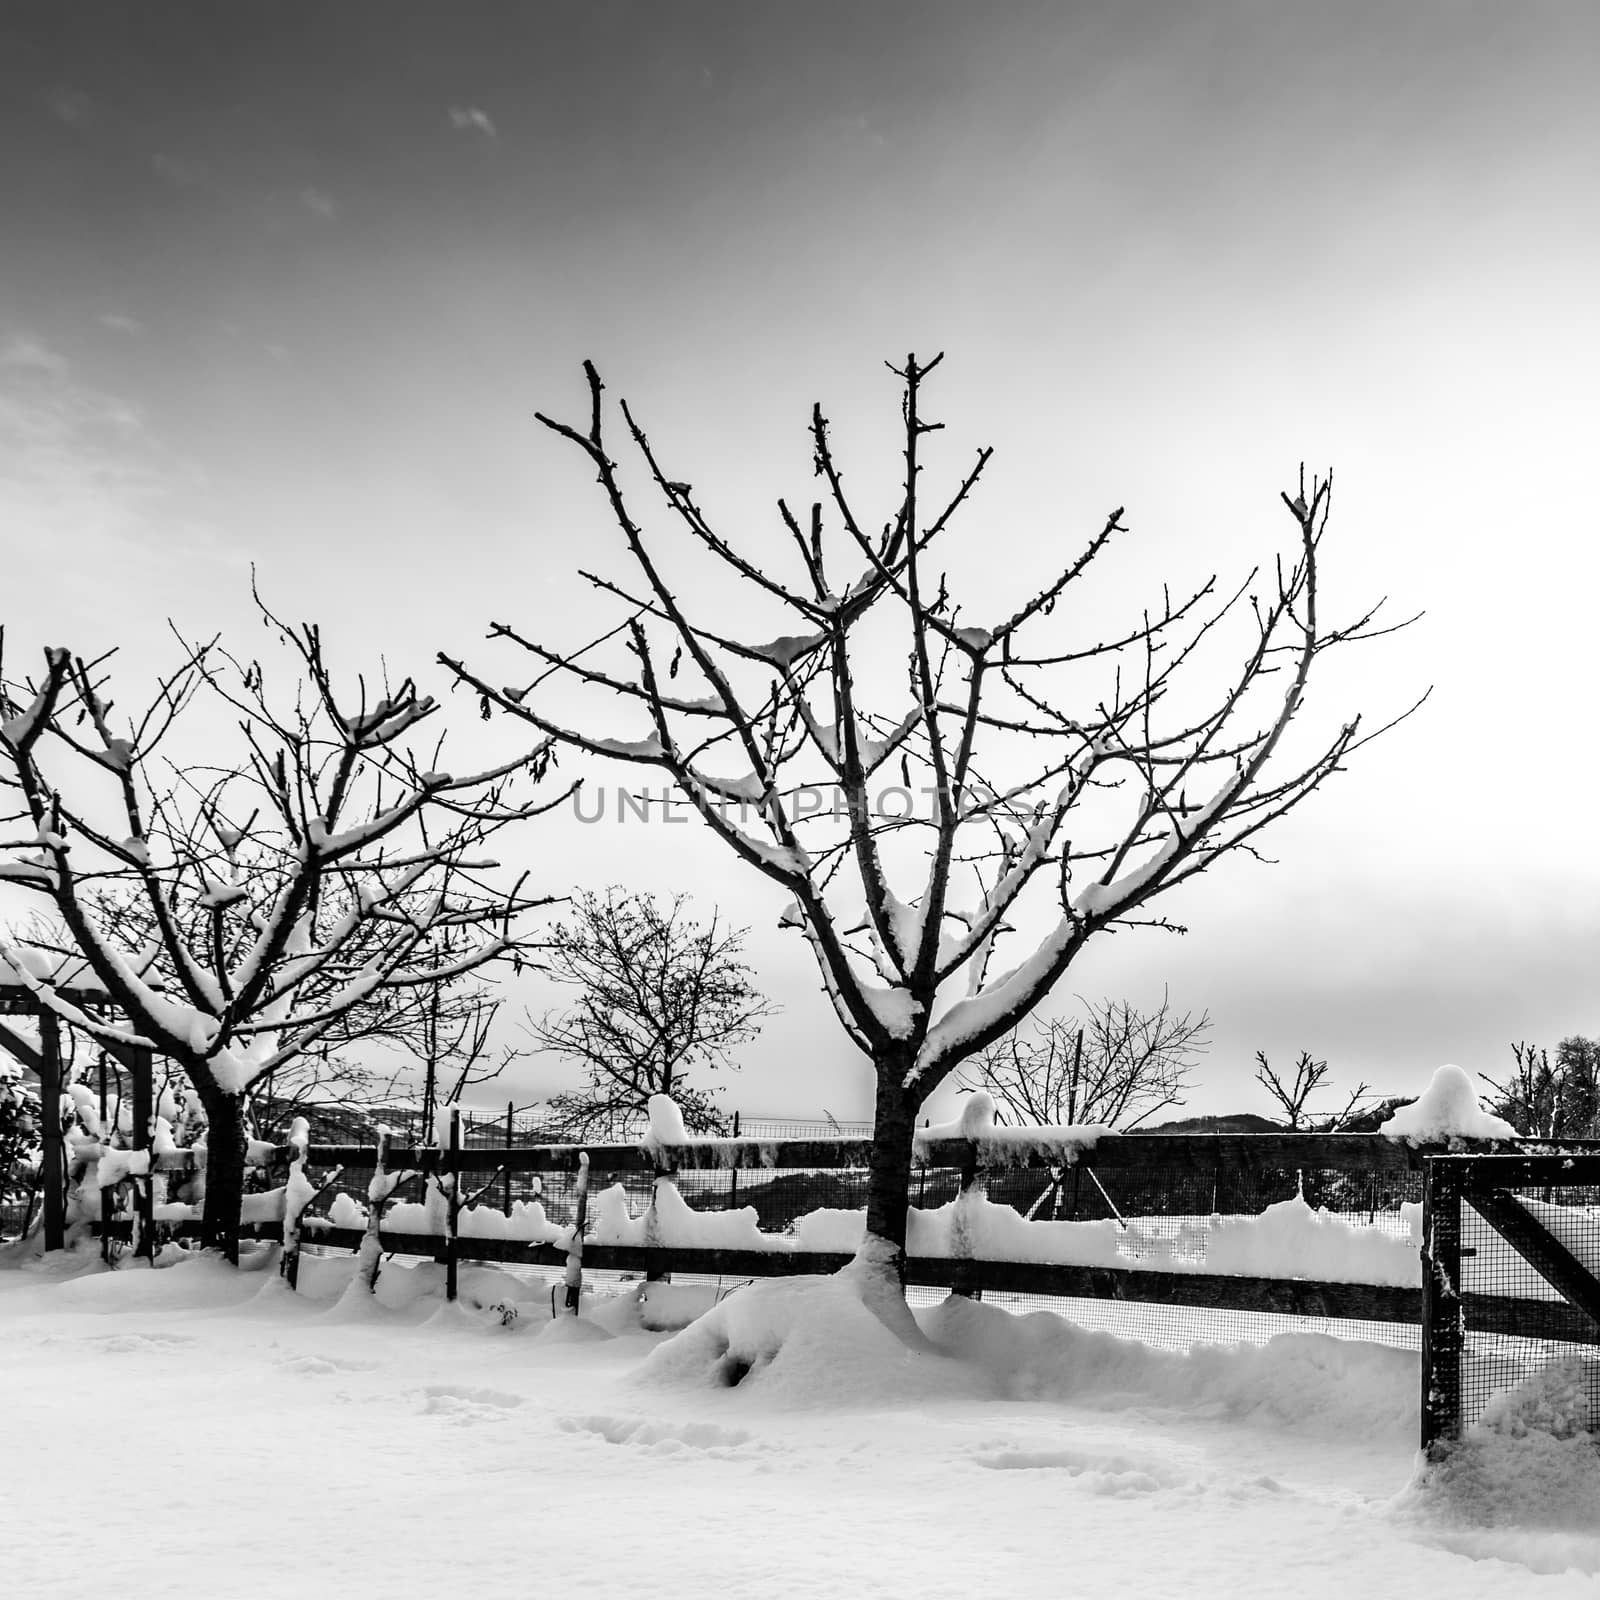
{"x":1228,"y":1155}
{"x":1202,"y":1153}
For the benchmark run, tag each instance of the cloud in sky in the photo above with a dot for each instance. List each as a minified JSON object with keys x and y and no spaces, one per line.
{"x":70,"y":106}
{"x":319,"y":203}
{"x":474,"y":121}
{"x":21,"y":353}
{"x":180,"y":172}
{"x":76,"y":460}
{"x":118,"y":322}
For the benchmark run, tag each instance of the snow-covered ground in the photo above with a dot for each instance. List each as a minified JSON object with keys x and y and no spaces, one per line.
{"x":198,"y":1428}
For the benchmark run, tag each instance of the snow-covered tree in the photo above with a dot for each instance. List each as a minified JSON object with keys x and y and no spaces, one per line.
{"x":1066,"y":777}
{"x":298,"y":888}
{"x":660,"y":1000}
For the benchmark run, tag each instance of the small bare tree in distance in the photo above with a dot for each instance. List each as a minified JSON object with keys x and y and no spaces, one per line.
{"x":1064,"y":773}
{"x":1118,"y":1066}
{"x":1551,"y":1100}
{"x":1293,"y":1094}
{"x":658,"y":996}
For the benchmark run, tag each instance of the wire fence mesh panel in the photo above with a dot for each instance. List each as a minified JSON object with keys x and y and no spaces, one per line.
{"x":1513,"y":1294}
{"x":1174,"y":1240}
{"x":15,"y":1214}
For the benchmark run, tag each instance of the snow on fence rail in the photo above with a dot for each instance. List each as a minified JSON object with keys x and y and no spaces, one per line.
{"x":1289,"y":1247}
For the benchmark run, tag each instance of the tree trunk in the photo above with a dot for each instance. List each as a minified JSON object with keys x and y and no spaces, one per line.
{"x":226,"y":1146}
{"x":889,"y":1177}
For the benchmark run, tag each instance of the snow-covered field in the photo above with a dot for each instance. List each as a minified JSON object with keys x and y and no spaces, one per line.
{"x":198,"y":1429}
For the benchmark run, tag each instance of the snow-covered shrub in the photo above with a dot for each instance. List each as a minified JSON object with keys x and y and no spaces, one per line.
{"x":19,"y":1134}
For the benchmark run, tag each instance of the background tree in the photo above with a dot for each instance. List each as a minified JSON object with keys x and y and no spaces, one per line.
{"x":1551,"y":1100}
{"x":1293,"y":1094}
{"x":19,"y":1140}
{"x":1116,"y":1066}
{"x":244,"y":913}
{"x":367,"y":1065}
{"x":1066,"y":779}
{"x":659,"y":996}
{"x":451,"y":1043}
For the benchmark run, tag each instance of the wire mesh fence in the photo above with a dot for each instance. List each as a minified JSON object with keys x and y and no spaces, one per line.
{"x":1169,"y":1266}
{"x":1512,"y":1286}
{"x":1570,"y":1216}
{"x":15,"y":1214}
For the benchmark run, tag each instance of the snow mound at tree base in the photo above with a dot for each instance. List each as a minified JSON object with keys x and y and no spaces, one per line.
{"x":1531,"y":1460}
{"x":809,"y":1342}
{"x":822,"y":1341}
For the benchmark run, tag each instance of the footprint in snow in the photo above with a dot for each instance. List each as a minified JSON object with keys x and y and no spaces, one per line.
{"x":138,"y":1343}
{"x":661,"y":1438}
{"x":466,"y":1405}
{"x":1100,"y":1474}
{"x":317,"y":1366}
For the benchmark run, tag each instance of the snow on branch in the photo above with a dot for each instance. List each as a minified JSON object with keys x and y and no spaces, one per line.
{"x":245,"y":911}
{"x":1042,"y":754}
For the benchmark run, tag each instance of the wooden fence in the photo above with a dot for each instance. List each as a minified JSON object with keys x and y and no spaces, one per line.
{"x":1218,"y":1162}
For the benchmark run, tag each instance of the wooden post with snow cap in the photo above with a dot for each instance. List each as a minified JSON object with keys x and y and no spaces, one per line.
{"x":1443,"y":1324}
{"x":580,"y":1220}
{"x":505,"y":1194}
{"x":369,"y":1253}
{"x":141,"y":1063}
{"x":298,"y":1193}
{"x":108,"y":1201}
{"x":452,"y":1212}
{"x":666,"y":1127}
{"x":973,"y":1192}
{"x":52,"y":1164}
{"x":659,"y":1175}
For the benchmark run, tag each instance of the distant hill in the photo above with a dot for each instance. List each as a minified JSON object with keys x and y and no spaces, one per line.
{"x":1367,"y":1121}
{"x":1235,"y":1122}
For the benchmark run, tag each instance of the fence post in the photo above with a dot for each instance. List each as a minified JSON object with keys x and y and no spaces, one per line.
{"x":297,"y":1195}
{"x":506,"y":1175}
{"x":142,"y":1064}
{"x":1443,"y":1328}
{"x":369,"y":1253}
{"x":652,"y":1224}
{"x":53,"y":1165}
{"x":733,"y":1173}
{"x":108,"y":1201}
{"x":452,"y":1206}
{"x":574,"y":1273}
{"x":973,"y":1190}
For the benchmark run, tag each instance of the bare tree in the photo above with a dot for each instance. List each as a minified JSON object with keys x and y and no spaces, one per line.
{"x":452,"y":1043}
{"x":1551,"y":1100}
{"x":1293,"y":1094}
{"x":659,"y":996}
{"x":246,"y":913}
{"x":1069,"y":766}
{"x":367,"y":1063}
{"x":1117,"y":1066}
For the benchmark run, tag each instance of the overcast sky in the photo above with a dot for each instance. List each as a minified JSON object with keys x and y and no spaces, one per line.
{"x":285,"y":283}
